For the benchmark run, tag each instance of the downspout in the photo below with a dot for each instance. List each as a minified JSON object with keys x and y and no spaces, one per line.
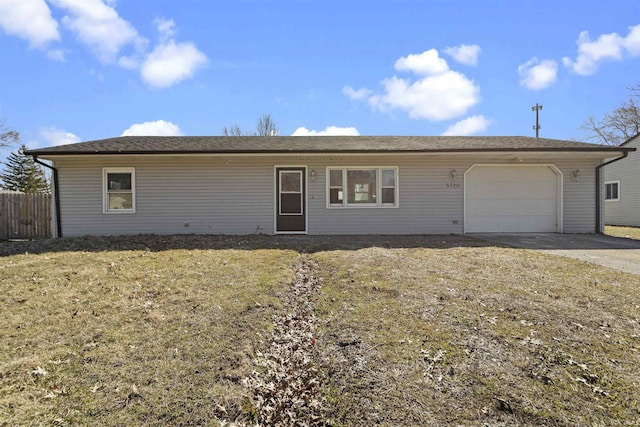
{"x":56,"y":194}
{"x":598,"y":195}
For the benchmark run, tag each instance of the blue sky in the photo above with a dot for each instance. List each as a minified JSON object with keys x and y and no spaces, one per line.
{"x":77,"y":70}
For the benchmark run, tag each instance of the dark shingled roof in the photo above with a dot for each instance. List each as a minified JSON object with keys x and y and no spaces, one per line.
{"x":317,"y":144}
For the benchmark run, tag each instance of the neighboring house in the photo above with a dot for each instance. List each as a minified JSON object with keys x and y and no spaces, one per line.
{"x":327,"y":185}
{"x":622,"y":188}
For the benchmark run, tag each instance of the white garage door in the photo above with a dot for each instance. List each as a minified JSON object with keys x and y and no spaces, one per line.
{"x":511,"y":199}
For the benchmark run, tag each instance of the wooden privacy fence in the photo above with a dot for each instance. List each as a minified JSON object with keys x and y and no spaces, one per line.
{"x":25,"y":216}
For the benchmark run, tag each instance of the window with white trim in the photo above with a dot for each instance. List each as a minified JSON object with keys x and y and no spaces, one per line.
{"x":612,"y":191}
{"x":119,"y":190}
{"x":362,"y":187}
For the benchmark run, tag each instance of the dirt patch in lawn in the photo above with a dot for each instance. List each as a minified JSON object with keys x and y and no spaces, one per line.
{"x":285,"y":387}
{"x":407,"y":330}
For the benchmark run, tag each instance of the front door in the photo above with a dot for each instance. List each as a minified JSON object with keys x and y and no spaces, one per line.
{"x":291,"y":202}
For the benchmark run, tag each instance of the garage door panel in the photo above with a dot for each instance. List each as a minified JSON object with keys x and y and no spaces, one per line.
{"x":535,"y":190}
{"x":523,"y":174}
{"x":505,"y":207}
{"x":511,"y":199}
{"x":509,"y":191}
{"x":536,"y":207}
{"x":509,"y":223}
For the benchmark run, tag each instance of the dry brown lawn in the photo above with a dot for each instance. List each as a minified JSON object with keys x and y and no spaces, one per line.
{"x":133,"y":332}
{"x":626,"y":232}
{"x":478,"y":336}
{"x":439,"y":330}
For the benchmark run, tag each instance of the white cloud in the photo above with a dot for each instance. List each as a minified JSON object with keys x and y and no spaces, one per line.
{"x":468,"y":126}
{"x":437,"y":98}
{"x":54,"y":136}
{"x":56,"y":54}
{"x":129,"y":62}
{"x":166,"y":28}
{"x":632,"y":41}
{"x":98,"y":25}
{"x":425,"y":63}
{"x":356,"y":93}
{"x":465,"y":54}
{"x":170,"y":62}
{"x":156,"y":128}
{"x":328,"y":131}
{"x":538,"y":75}
{"x":438,"y":93}
{"x":30,"y":20}
{"x":606,"y":47}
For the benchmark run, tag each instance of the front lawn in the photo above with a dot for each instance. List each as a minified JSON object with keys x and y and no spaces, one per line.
{"x":478,"y":336}
{"x":417,"y":330}
{"x":133,"y":331}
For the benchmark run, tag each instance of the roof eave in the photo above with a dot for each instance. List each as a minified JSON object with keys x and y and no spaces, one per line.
{"x":351,"y":151}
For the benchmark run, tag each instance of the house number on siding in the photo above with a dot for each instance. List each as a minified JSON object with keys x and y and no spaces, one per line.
{"x":453,"y":177}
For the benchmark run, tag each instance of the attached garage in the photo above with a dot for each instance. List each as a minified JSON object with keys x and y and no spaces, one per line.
{"x":513,"y":199}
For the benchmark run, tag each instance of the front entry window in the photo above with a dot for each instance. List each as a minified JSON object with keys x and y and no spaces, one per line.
{"x":290,"y":193}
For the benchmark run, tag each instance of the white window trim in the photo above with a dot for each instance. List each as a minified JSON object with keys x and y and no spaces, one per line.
{"x":105,"y":193}
{"x":617,"y":181}
{"x":378,"y":204}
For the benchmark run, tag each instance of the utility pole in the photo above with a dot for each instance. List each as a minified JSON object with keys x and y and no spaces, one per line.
{"x":536,"y":108}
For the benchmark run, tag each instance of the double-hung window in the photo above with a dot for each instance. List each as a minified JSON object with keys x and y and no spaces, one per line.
{"x":119,"y":190}
{"x":362,"y":187}
{"x":612,"y":191}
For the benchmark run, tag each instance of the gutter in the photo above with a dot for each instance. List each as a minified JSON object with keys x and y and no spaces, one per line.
{"x":331,"y":151}
{"x":598,"y":189}
{"x":56,"y":194}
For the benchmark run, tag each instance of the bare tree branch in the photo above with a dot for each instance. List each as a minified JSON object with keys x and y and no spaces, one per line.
{"x":7,"y":136}
{"x":266,"y":126}
{"x":232,"y":131}
{"x":634,"y":89}
{"x":619,"y":125}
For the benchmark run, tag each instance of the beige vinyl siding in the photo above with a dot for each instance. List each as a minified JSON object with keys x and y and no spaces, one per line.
{"x":625,"y":211}
{"x":173,"y":195}
{"x":579,"y":195}
{"x":427,"y":206}
{"x":235,"y":194}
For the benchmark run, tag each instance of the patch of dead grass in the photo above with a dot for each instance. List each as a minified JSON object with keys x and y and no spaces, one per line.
{"x":478,"y":335}
{"x":133,"y":337}
{"x":412,"y":330}
{"x":625,"y":232}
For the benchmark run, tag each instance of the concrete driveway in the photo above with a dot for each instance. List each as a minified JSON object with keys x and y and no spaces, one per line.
{"x":614,"y":252}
